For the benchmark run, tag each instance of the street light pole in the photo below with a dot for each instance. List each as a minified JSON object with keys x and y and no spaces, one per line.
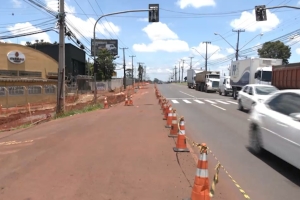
{"x":60,"y":103}
{"x":132,"y":71}
{"x":124,"y":67}
{"x":237,"y":43}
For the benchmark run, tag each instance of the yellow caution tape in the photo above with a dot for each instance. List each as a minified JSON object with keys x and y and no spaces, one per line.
{"x":219,"y":165}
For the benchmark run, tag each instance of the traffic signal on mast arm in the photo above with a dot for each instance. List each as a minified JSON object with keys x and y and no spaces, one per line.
{"x":260,"y":13}
{"x":153,"y":12}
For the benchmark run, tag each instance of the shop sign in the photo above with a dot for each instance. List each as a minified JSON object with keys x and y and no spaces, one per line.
{"x":16,"y":57}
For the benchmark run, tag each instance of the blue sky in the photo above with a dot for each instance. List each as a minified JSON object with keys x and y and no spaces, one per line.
{"x":183,"y":26}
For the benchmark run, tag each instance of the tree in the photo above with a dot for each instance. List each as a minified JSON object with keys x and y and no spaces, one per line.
{"x":141,"y":72}
{"x":276,"y":50}
{"x":106,"y":65}
{"x":185,"y":78}
{"x":156,"y":80}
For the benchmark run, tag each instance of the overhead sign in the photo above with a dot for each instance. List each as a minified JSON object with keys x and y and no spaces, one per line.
{"x":16,"y":57}
{"x":110,"y":45}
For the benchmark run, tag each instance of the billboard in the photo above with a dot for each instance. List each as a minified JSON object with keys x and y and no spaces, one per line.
{"x":110,"y":45}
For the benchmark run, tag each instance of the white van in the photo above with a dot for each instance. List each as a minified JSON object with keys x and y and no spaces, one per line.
{"x":224,"y":86}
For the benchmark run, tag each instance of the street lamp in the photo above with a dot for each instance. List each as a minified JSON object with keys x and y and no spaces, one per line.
{"x":238,"y":49}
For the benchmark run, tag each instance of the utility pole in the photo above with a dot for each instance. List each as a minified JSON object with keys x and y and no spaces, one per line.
{"x":182,"y":74}
{"x":238,"y":41}
{"x":145,"y":73}
{"x":182,"y":67}
{"x":179,"y":70}
{"x":124,"y":67}
{"x":206,"y":42}
{"x":132,"y":71}
{"x":175,"y":74}
{"x":60,"y":103}
{"x":191,"y":64}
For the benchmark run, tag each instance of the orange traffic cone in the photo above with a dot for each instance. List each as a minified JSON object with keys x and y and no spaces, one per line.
{"x":169,"y":117}
{"x":105,"y":103}
{"x":167,"y":111}
{"x":130,"y":103}
{"x":126,"y":101}
{"x":181,"y":140}
{"x":201,"y":184}
{"x":174,"y":126}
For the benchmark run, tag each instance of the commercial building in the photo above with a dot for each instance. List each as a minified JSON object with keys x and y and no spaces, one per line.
{"x":26,"y":75}
{"x":74,"y":57}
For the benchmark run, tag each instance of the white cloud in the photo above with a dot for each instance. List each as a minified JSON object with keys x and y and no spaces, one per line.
{"x":298,"y":51}
{"x":20,"y":28}
{"x":5,"y":41}
{"x":253,"y":26}
{"x":213,"y":51}
{"x":195,"y":3}
{"x":17,"y":3}
{"x":143,"y":19}
{"x":230,"y":50}
{"x":163,"y":39}
{"x":86,"y":26}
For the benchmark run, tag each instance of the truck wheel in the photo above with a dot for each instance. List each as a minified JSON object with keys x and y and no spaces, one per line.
{"x":220,"y":92}
{"x":234,"y":95}
{"x":206,"y":89}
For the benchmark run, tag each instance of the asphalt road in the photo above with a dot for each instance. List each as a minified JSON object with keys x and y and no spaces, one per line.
{"x":214,"y":119}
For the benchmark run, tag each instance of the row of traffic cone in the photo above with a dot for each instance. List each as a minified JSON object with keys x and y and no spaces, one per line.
{"x":128,"y":101}
{"x":200,"y":189}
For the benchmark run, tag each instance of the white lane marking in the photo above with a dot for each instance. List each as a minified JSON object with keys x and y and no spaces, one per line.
{"x":198,"y":101}
{"x":218,"y":107}
{"x":187,"y":94}
{"x":222,"y":102}
{"x":248,"y":119}
{"x":174,"y":101}
{"x":232,"y":102}
{"x":186,"y":101}
{"x":209,"y":101}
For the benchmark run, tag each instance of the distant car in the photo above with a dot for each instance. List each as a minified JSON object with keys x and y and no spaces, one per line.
{"x":275,"y":126}
{"x":252,"y":94}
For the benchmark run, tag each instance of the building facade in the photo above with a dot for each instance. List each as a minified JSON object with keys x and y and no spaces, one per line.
{"x":75,"y":63}
{"x":26,"y":75}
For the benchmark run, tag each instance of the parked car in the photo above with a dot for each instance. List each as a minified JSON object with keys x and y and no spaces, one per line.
{"x":275,"y":126}
{"x":252,"y":94}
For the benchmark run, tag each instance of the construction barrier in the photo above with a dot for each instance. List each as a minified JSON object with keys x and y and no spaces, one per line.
{"x":201,"y":189}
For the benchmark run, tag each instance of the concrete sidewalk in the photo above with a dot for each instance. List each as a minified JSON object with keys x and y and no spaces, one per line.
{"x":119,"y":153}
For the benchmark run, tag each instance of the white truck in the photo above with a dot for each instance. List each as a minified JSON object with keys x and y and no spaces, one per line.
{"x":224,"y":86}
{"x":207,"y":81}
{"x":191,"y":74}
{"x":251,"y":71}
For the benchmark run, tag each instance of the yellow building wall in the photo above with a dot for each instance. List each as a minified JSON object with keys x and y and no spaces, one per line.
{"x":34,"y":60}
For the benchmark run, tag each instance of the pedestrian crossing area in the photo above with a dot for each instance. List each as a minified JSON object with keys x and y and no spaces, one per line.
{"x":203,"y":101}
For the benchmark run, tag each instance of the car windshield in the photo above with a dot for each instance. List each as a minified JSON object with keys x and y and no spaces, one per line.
{"x":260,"y":90}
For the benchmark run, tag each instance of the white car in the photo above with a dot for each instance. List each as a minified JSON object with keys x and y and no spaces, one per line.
{"x":252,"y":94}
{"x":275,"y":126}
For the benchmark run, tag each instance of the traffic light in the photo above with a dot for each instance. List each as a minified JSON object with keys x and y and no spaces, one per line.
{"x":260,"y":13}
{"x":153,"y":12}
